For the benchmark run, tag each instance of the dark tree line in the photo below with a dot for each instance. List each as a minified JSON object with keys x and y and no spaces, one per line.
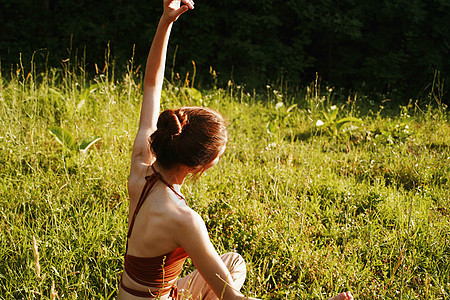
{"x":387,"y":46}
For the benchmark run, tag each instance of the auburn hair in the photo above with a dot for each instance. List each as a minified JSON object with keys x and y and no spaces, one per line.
{"x":191,"y":136}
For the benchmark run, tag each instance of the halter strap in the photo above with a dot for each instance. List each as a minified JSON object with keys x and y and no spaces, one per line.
{"x":166,"y":183}
{"x":150,"y":182}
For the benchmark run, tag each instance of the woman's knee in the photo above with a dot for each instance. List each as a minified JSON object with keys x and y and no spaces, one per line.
{"x":232,"y":259}
{"x":235,"y":264}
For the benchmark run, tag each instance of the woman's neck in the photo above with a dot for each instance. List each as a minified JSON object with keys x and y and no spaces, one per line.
{"x":174,"y":176}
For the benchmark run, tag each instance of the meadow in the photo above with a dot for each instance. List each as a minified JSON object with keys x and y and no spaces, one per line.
{"x":320,"y":192}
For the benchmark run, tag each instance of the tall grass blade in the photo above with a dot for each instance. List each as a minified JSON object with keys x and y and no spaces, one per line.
{"x":88,"y":143}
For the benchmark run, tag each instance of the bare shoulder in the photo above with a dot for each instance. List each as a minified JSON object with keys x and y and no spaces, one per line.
{"x":192,"y":234}
{"x":190,"y":224}
{"x":188,"y":219}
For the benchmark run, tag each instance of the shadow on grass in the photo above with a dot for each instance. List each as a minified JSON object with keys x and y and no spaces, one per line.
{"x":301,"y":136}
{"x":438,"y":147}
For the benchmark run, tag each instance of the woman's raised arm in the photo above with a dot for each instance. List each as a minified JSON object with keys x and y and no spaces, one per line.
{"x":154,"y":77}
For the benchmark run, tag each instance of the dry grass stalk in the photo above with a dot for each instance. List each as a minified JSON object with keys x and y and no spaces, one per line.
{"x":53,"y":292}
{"x":36,"y":258}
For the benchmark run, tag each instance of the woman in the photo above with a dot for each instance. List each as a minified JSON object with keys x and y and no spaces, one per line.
{"x":163,"y":231}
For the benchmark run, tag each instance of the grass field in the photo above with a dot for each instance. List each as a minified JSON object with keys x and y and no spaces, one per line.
{"x":359,"y":203}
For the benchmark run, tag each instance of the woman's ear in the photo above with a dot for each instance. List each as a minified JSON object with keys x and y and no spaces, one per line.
{"x":195,"y":170}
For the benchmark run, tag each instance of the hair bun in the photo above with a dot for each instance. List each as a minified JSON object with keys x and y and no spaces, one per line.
{"x":189,"y":136}
{"x":172,"y":121}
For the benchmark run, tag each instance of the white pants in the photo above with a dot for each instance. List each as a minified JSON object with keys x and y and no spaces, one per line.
{"x":194,"y":287}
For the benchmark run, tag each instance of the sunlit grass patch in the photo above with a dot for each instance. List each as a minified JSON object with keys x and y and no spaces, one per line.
{"x":314,"y":212}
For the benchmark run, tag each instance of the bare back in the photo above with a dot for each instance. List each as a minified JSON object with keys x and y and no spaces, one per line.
{"x":159,"y":218}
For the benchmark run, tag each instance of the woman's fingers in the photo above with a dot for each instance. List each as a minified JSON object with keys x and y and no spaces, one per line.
{"x":181,"y":10}
{"x":175,"y":4}
{"x":173,"y":9}
{"x":189,"y":3}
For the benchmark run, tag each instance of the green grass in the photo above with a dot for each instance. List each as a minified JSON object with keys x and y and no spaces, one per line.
{"x":313,"y":210}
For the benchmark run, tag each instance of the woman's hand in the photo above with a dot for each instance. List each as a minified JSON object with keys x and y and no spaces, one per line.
{"x":173,"y":9}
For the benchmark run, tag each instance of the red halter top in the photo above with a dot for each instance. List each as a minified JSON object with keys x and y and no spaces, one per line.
{"x":154,"y":272}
